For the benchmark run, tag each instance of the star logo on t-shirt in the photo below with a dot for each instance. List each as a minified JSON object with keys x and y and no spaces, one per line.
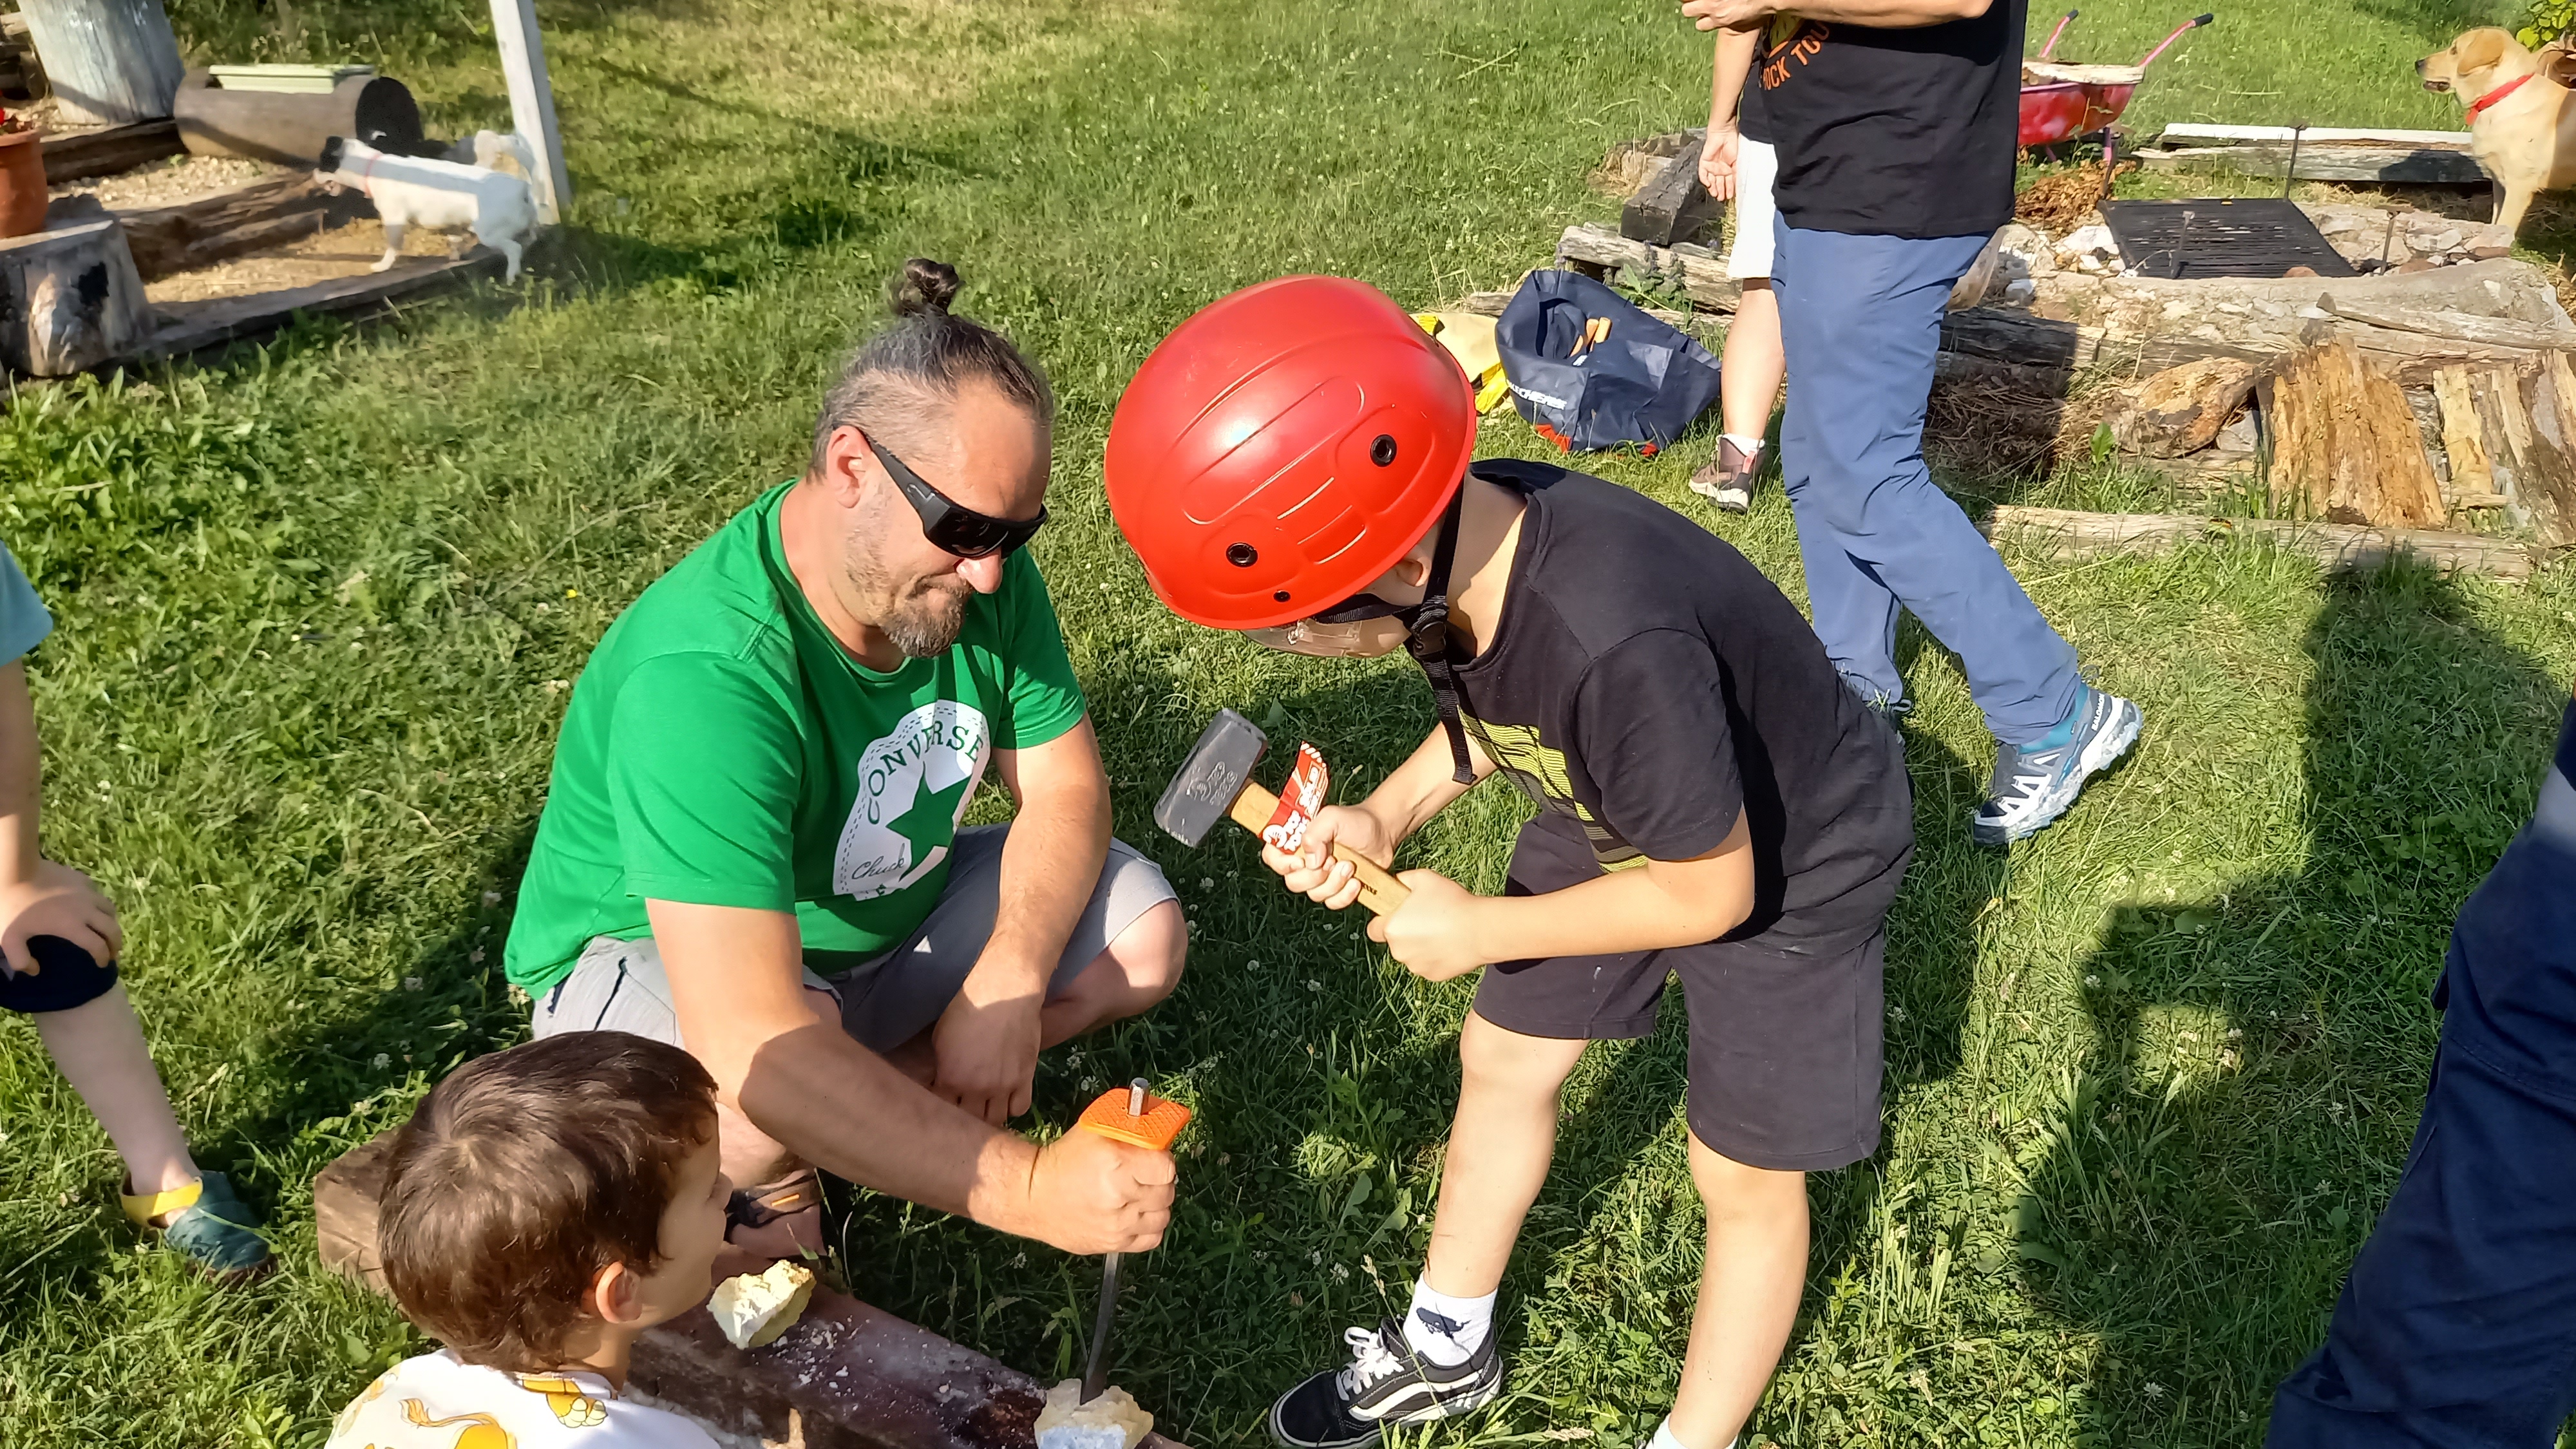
{"x":932,"y":820}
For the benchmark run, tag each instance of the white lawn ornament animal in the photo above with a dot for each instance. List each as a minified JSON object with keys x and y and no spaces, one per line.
{"x":442,"y":195}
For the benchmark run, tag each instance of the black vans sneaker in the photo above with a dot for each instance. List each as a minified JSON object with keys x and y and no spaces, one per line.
{"x":1385,"y":1383}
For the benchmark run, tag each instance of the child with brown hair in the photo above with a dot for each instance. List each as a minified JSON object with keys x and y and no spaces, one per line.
{"x":545,"y":1205}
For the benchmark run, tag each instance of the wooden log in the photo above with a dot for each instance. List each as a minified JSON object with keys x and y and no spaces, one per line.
{"x":2496,"y":287}
{"x":2005,"y":335}
{"x":1671,"y":207}
{"x":2184,"y":133}
{"x":1961,"y":369}
{"x":69,"y":296}
{"x":2180,"y":409}
{"x":1630,"y":164}
{"x":532,"y":103}
{"x":2378,"y":165}
{"x":110,"y":62}
{"x":2345,"y":447}
{"x":2069,"y":533}
{"x":196,"y":326}
{"x":1699,"y":272}
{"x":170,"y":239}
{"x":109,"y":152}
{"x":2456,"y":326}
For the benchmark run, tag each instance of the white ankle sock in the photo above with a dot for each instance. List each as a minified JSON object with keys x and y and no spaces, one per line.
{"x":1747,"y":446}
{"x":1664,"y":1438}
{"x":1453,"y":1329}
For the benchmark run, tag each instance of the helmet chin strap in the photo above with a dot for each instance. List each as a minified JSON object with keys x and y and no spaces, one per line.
{"x":1427,"y":639}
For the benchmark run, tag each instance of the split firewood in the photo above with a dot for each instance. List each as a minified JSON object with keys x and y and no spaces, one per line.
{"x":2463,"y":437}
{"x":2181,"y":409}
{"x":2345,"y":447}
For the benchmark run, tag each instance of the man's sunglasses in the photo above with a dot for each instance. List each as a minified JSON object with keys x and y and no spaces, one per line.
{"x":951,"y":526}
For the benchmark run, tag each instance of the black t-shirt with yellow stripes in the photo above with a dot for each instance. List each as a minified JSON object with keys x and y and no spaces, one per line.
{"x":1648,"y":683}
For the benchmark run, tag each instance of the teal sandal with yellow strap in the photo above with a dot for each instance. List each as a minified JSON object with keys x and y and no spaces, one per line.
{"x":205,"y":1223}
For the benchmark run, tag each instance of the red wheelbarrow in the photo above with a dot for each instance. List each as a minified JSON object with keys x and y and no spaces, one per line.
{"x":2061,"y":101}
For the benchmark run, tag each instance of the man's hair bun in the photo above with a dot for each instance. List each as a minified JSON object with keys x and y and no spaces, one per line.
{"x":923,"y":286}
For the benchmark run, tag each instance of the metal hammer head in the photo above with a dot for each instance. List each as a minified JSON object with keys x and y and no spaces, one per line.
{"x":1218,"y":768}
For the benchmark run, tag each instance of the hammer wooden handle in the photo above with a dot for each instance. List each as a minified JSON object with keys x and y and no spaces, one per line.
{"x":1382,"y":893}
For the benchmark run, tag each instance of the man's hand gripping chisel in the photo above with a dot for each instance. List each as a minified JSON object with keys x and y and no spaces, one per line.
{"x":1134,"y":1116}
{"x":1216,"y":782}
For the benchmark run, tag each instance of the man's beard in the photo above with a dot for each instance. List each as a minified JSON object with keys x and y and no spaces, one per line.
{"x":923,"y":617}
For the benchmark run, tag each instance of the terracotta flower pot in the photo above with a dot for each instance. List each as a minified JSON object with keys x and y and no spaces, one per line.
{"x":22,"y":183}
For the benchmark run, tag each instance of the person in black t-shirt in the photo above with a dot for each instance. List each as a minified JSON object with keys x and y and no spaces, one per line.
{"x":1895,"y":124}
{"x":1714,"y":803}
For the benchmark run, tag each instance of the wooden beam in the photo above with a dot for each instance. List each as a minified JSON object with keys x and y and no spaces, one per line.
{"x":532,"y":102}
{"x":2185,"y":133}
{"x":2070,"y":533}
{"x":2385,"y":165}
{"x":195,"y":326}
{"x":2455,"y":326}
{"x":108,"y":152}
{"x":2006,"y":335}
{"x":110,"y":62}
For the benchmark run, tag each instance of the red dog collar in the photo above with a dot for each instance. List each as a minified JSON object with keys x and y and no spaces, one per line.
{"x":2493,"y":96}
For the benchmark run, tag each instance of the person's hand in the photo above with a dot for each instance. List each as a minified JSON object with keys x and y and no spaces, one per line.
{"x":1434,"y":934}
{"x":985,"y":1047}
{"x":1717,"y":162}
{"x":1094,"y":1195}
{"x":1313,"y":872}
{"x":57,"y":901}
{"x":1729,"y":14}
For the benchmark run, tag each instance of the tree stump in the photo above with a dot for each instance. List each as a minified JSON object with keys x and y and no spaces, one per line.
{"x":70,"y":298}
{"x":2345,"y":446}
{"x":110,"y":62}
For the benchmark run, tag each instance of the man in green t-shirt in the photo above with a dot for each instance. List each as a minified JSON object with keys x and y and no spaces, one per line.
{"x":751,"y":844}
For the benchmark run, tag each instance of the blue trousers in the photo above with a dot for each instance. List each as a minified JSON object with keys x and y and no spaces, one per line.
{"x":1860,"y":319}
{"x":2457,"y":1327}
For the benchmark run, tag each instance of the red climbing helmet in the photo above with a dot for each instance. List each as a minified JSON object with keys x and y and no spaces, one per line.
{"x":1283,"y":448}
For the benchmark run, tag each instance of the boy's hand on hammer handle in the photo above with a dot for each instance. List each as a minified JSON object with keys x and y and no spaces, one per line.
{"x":1343,"y":859}
{"x":1094,"y":1195}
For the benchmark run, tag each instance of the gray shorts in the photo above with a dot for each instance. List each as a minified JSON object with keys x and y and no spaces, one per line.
{"x":620,"y":985}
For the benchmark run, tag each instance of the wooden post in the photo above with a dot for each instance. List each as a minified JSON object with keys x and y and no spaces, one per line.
{"x":110,"y":62}
{"x":532,"y":102}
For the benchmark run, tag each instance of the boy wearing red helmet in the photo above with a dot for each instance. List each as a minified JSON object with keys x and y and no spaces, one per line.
{"x":1293,"y":463}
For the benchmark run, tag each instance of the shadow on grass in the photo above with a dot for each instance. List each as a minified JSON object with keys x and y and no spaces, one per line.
{"x":2260,"y":1056}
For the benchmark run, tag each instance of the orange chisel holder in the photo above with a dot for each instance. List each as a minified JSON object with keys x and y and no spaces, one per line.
{"x":1154,"y":1129}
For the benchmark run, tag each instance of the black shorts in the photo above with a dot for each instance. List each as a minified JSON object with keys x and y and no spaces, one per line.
{"x":1786,"y":1027}
{"x":68,"y":977}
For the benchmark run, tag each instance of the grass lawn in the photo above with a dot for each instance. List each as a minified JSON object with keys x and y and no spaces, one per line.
{"x":2150,"y":1075}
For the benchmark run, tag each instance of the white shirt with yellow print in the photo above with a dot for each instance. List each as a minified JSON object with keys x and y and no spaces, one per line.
{"x":436,"y":1402}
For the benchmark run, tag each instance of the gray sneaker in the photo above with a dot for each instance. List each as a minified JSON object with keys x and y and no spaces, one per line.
{"x":1727,"y":479}
{"x":2035,"y":783}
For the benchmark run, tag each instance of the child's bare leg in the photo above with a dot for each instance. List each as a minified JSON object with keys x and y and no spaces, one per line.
{"x":1748,"y":1294}
{"x":1499,"y":1147}
{"x":99,"y":1047}
{"x":1748,"y":378}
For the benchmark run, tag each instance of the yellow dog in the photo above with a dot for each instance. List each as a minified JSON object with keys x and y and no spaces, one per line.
{"x":2520,"y":125}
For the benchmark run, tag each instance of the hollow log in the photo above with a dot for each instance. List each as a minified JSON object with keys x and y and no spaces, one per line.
{"x":2070,"y":533}
{"x":69,"y":296}
{"x":289,"y":127}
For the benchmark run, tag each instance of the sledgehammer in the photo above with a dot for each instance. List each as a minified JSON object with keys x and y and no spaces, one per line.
{"x":1216,"y":781}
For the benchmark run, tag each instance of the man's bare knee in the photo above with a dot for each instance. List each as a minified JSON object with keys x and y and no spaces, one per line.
{"x":1151,"y":953}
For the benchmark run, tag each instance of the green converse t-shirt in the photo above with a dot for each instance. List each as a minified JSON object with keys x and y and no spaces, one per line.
{"x":723,"y":749}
